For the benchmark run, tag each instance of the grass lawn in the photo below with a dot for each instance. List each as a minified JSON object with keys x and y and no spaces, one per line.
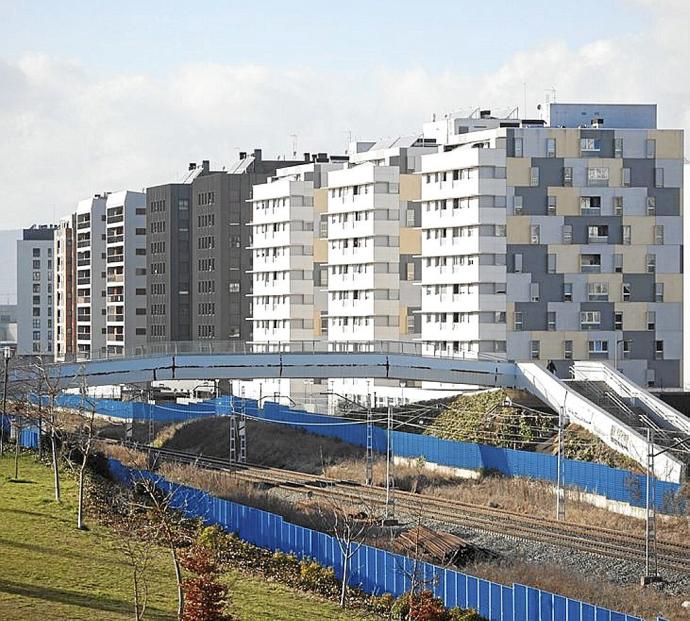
{"x":50,"y":570}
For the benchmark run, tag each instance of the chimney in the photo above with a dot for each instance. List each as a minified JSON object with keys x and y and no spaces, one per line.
{"x":192,"y":165}
{"x":257,"y":154}
{"x":243,"y":155}
{"x":205,"y":165}
{"x":322,"y":157}
{"x":307,"y":156}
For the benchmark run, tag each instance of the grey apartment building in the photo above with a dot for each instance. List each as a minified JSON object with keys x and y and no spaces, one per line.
{"x":199,"y":262}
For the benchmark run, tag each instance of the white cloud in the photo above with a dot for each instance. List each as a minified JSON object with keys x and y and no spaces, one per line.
{"x":67,"y":133}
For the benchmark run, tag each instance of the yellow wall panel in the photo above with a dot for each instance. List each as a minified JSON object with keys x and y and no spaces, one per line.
{"x":320,"y":250}
{"x":567,"y":200}
{"x":641,"y":229}
{"x":567,"y":142}
{"x":567,"y":258}
{"x":673,"y":286}
{"x":410,"y":241}
{"x":633,"y":259}
{"x":634,"y":314}
{"x":517,"y":170}
{"x":410,"y":187}
{"x":321,"y":200}
{"x":517,"y":229}
{"x":403,"y":320}
{"x":669,"y":143}
{"x":317,"y":323}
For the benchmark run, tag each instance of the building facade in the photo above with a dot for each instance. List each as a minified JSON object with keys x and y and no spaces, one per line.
{"x":65,"y":289}
{"x":35,"y":291}
{"x":125,"y":271}
{"x":221,"y":255}
{"x":558,"y":243}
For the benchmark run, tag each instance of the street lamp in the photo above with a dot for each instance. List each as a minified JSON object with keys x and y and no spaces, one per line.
{"x":7,"y":354}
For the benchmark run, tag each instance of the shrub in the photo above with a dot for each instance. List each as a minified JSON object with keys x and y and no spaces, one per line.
{"x":462,"y":614}
{"x":317,"y":578}
{"x":205,"y":596}
{"x":383,"y":604}
{"x":425,"y":607}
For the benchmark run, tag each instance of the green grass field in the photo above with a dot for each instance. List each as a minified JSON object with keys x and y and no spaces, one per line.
{"x":50,"y":570}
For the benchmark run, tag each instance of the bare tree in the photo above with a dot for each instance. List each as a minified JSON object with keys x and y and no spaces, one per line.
{"x":351,"y":524}
{"x":167,"y":522}
{"x":82,"y":442}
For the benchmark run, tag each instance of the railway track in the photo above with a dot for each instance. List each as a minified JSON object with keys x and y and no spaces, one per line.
{"x":591,"y":539}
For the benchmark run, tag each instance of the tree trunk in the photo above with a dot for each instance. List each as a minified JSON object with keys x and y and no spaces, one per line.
{"x":56,"y":470}
{"x":346,"y":568}
{"x":137,"y":612}
{"x":178,"y":578}
{"x":16,"y":453}
{"x":80,"y":498}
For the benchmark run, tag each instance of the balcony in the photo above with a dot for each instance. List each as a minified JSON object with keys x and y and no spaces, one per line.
{"x":83,"y":299}
{"x":116,"y":298}
{"x":115,"y":318}
{"x":116,"y":278}
{"x":115,"y":258}
{"x":115,"y":219}
{"x":115,"y":239}
{"x":86,"y":243}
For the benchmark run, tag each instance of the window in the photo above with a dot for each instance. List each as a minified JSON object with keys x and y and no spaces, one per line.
{"x":590,"y":320}
{"x":658,"y":234}
{"x":534,"y":350}
{"x":534,"y":176}
{"x":517,"y":320}
{"x":590,"y":205}
{"x":650,"y":148}
{"x":534,"y":292}
{"x":618,"y":263}
{"x":517,"y":263}
{"x":599,"y":348}
{"x":517,"y":147}
{"x":409,"y":217}
{"x":650,"y":262}
{"x":625,"y":178}
{"x":598,"y":176}
{"x":550,"y":147}
{"x":36,"y":324}
{"x":567,"y":235}
{"x":551,"y":205}
{"x":234,"y":287}
{"x":659,"y":292}
{"x":551,"y":263}
{"x":626,"y":234}
{"x":618,"y":321}
{"x":659,"y":350}
{"x":651,"y":320}
{"x":598,"y":234}
{"x":37,"y":276}
{"x":551,"y":321}
{"x":517,"y":205}
{"x":590,"y":145}
{"x":598,"y":291}
{"x":568,"y":176}
{"x":618,"y":205}
{"x":567,"y":292}
{"x":651,"y":377}
{"x":36,"y":252}
{"x":37,"y":335}
{"x":659,"y":177}
{"x":590,"y":263}
{"x":625,"y":291}
{"x":568,"y":350}
{"x":618,"y":148}
{"x":410,"y":271}
{"x":651,"y":205}
{"x":534,"y":234}
{"x":627,"y":349}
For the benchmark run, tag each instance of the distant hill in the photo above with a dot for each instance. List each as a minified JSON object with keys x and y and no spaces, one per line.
{"x":8,"y":266}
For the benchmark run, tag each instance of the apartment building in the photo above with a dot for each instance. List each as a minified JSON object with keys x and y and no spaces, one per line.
{"x":221,"y":255}
{"x":89,"y":274}
{"x":35,"y":291}
{"x":8,"y":326}
{"x":373,"y":253}
{"x":555,"y":243}
{"x":289,"y":272}
{"x":169,"y":256}
{"x":125,"y":271}
{"x":65,"y":289}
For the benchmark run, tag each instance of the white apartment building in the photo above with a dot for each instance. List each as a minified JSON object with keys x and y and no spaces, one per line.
{"x":64,"y":288}
{"x":35,"y":291}
{"x":373,"y":248}
{"x":289,"y":255}
{"x":125,"y":271}
{"x":90,"y":278}
{"x":463,"y":280}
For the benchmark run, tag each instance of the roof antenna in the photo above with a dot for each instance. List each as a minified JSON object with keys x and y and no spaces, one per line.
{"x":294,"y":145}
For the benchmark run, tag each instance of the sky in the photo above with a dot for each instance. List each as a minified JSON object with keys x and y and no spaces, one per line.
{"x":99,"y":96}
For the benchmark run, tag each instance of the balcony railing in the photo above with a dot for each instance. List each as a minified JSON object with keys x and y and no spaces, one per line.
{"x":114,"y":219}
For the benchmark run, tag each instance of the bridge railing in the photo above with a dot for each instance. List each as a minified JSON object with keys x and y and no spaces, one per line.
{"x":174,"y":348}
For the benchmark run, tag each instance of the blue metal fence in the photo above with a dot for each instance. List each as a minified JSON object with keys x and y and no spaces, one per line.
{"x":374,"y":570}
{"x":612,"y":483}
